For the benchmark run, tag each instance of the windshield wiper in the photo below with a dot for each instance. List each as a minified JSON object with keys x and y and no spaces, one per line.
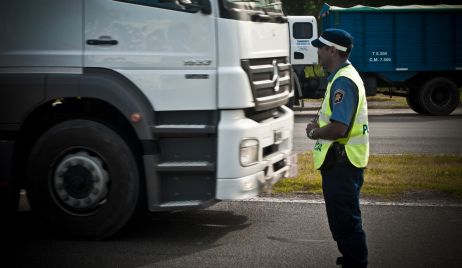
{"x":260,"y":17}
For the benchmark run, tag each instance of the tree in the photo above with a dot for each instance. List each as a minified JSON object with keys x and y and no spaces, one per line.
{"x":312,"y":7}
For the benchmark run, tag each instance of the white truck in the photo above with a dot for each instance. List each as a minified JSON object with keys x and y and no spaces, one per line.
{"x":107,"y":106}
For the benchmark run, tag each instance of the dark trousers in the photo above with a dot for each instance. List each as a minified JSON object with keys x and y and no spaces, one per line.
{"x":341,"y":186}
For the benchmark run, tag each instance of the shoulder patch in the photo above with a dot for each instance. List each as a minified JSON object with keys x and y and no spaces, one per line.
{"x":338,"y":95}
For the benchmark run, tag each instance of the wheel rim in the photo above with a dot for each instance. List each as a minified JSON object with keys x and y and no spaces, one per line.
{"x":80,"y":183}
{"x":440,"y":96}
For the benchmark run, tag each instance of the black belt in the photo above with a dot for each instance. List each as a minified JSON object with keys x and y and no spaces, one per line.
{"x":336,"y":156}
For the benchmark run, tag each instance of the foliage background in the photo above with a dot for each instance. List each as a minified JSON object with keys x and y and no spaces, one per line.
{"x":312,"y":7}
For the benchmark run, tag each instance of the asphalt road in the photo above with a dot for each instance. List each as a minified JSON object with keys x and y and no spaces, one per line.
{"x":398,"y":131}
{"x":271,"y":234}
{"x":248,"y":234}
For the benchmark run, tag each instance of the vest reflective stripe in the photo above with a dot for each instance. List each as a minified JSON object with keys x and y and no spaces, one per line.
{"x":357,"y":141}
{"x":323,"y":117}
{"x":362,"y":118}
{"x":363,"y":139}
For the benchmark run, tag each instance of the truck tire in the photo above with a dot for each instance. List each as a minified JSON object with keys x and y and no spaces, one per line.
{"x":412,"y":100}
{"x":83,"y":180}
{"x":439,"y":96}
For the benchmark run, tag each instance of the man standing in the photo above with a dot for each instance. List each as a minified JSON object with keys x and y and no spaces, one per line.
{"x":342,"y":147}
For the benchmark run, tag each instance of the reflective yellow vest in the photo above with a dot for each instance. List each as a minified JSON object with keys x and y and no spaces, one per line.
{"x":357,"y":141}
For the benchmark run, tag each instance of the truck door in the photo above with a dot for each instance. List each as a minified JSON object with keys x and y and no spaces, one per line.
{"x":165,"y":48}
{"x":303,"y":30}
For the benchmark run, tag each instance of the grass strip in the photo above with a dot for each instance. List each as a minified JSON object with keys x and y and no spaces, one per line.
{"x":378,"y":101}
{"x":388,"y":176}
{"x":383,"y":101}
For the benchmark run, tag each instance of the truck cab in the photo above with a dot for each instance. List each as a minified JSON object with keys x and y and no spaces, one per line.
{"x":303,"y":30}
{"x":308,"y":76}
{"x":112,"y":105}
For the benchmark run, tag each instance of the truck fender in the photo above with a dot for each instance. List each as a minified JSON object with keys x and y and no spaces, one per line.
{"x":115,"y":89}
{"x":24,"y":93}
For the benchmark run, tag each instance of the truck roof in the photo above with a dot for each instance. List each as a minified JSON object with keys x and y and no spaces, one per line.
{"x":414,"y":8}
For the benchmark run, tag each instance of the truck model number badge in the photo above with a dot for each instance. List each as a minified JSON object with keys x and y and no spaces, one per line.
{"x":197,"y":62}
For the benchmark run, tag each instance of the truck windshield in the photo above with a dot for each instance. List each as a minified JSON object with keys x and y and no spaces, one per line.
{"x":244,"y":9}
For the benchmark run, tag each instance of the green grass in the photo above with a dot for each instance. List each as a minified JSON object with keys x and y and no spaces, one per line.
{"x":388,"y":176}
{"x":380,"y":101}
{"x":385,"y":102}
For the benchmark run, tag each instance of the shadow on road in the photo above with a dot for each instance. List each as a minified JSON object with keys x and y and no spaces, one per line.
{"x":149,"y":239}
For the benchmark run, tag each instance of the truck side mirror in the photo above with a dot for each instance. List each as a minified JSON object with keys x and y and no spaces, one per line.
{"x":206,"y":8}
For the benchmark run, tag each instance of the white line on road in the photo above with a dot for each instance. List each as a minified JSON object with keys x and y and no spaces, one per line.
{"x":363,"y":202}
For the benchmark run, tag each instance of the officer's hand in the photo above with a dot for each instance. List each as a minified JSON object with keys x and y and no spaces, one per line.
{"x":311,"y":126}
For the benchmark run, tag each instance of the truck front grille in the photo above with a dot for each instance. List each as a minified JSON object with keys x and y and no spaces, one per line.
{"x":270,"y":81}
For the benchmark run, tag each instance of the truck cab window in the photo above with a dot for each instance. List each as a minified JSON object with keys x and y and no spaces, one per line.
{"x":302,"y":30}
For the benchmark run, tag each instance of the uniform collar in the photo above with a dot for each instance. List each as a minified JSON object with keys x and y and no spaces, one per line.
{"x":331,"y":75}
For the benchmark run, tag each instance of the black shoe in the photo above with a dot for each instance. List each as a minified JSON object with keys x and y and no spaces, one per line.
{"x":341,"y":261}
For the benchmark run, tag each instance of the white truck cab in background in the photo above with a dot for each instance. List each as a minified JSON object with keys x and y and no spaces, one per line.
{"x":309,"y":79}
{"x":304,"y":29}
{"x":108,"y":105}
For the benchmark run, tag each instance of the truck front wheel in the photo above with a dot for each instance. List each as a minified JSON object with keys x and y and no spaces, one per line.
{"x":82,"y":180}
{"x":439,"y":96}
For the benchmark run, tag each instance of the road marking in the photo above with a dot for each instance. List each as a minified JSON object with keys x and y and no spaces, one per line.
{"x":363,"y":202}
{"x":296,"y":240}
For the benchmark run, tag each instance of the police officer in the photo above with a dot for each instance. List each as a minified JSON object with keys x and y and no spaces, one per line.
{"x":341,"y":151}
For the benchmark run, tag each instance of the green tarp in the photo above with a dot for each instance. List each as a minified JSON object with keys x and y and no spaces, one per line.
{"x":414,"y":8}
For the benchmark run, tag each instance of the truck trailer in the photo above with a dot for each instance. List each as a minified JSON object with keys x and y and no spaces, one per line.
{"x":111,"y":106}
{"x":413,"y":51}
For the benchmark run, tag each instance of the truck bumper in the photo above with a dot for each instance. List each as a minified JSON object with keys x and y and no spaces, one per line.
{"x":235,"y":181}
{"x":250,"y":186}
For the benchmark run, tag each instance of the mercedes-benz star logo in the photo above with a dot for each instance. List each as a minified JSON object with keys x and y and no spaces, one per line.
{"x":275,"y":76}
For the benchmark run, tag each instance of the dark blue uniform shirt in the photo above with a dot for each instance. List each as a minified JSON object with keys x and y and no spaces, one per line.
{"x":343,"y":98}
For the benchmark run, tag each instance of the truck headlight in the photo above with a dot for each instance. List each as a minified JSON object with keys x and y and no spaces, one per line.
{"x":249,"y":152}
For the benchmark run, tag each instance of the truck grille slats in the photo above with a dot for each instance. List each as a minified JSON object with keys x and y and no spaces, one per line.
{"x":270,"y":81}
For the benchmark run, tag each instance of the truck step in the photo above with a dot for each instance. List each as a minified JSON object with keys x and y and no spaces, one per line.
{"x":178,"y":204}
